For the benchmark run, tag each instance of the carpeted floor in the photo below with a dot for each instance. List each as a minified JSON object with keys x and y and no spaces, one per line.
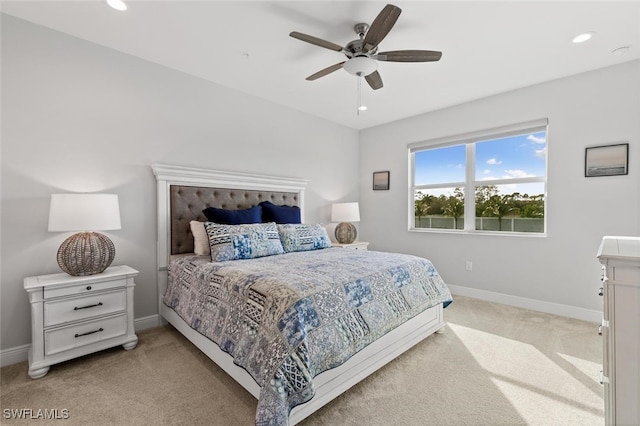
{"x":495,"y":365}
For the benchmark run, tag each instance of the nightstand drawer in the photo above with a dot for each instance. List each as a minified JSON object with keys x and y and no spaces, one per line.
{"x":65,"y":338}
{"x":83,"y":289}
{"x":61,"y":311}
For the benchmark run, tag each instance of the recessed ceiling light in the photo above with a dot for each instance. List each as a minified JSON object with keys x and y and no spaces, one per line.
{"x":362,"y":108}
{"x":620,"y":50}
{"x":581,"y":38}
{"x":117,"y":4}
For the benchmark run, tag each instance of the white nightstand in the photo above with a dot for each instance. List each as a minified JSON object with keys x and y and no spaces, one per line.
{"x":74,"y":316}
{"x":357,"y":245}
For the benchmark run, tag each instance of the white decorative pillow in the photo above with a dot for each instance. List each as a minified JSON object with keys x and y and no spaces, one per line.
{"x":303,"y":237}
{"x":200,"y":238}
{"x":247,"y":241}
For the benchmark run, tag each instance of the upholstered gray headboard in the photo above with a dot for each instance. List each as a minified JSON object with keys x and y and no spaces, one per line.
{"x":187,"y":203}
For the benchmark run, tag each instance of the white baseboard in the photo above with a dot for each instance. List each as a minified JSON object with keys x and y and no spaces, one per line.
{"x":21,"y":353}
{"x":532,"y":304}
{"x":147,"y":322}
{"x":14,"y":355}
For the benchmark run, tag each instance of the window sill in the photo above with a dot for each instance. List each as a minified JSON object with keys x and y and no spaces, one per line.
{"x":490,"y":233}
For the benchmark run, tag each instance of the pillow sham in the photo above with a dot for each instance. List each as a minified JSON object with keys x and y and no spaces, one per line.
{"x":279,"y":214}
{"x":303,"y":237}
{"x":200,"y":238}
{"x":234,"y":217}
{"x":247,"y":241}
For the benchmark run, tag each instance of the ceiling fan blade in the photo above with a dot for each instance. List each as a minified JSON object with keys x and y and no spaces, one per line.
{"x":374,"y":80}
{"x":325,"y":71}
{"x":381,"y":26}
{"x":409,"y":56}
{"x":315,"y":40}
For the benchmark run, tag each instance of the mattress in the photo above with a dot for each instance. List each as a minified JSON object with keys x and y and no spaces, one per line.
{"x":287,"y":318}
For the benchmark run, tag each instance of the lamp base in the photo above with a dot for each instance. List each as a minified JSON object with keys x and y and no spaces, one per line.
{"x":346,"y":233}
{"x":86,"y":253}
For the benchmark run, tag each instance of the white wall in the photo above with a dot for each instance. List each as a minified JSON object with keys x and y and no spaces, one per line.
{"x":593,"y":108}
{"x":78,"y":117}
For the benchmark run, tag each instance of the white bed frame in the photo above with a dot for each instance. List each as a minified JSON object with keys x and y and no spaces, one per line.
{"x":329,"y":384}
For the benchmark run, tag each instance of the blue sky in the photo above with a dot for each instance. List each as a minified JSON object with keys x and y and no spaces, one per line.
{"x":511,"y":157}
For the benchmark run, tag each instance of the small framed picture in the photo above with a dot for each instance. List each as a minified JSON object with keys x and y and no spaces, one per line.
{"x":606,"y":160}
{"x":380,"y":181}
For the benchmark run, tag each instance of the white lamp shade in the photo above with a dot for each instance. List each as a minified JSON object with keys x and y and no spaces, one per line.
{"x":345,"y":212}
{"x":84,"y":212}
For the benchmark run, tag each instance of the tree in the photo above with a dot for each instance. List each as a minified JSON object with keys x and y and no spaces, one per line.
{"x":422,"y":203}
{"x":454,"y":206}
{"x":483,"y":195}
{"x":500,"y":206}
{"x":532,"y":206}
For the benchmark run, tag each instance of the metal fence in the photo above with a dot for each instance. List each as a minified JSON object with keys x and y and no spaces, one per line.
{"x":509,"y":224}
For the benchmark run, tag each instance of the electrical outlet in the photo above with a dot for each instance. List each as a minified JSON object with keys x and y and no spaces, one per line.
{"x":469,"y":265}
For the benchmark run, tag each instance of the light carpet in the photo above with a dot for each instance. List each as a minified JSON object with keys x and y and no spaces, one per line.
{"x":494,"y":365}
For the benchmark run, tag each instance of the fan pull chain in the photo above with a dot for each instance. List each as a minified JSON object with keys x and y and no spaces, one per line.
{"x":359,"y":94}
{"x":360,"y":107}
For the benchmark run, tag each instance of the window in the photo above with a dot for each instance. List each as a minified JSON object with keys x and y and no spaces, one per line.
{"x":489,"y":181}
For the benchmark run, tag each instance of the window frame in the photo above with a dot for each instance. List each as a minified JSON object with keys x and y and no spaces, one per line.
{"x":469,"y":140}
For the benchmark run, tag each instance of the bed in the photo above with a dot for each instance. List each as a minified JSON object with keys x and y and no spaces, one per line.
{"x":316,"y":345}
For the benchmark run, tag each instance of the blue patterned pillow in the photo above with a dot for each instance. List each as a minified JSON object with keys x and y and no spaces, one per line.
{"x":303,"y":237}
{"x":248,"y":241}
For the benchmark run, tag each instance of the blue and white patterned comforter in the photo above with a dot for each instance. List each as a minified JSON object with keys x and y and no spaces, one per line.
{"x":289,"y":317}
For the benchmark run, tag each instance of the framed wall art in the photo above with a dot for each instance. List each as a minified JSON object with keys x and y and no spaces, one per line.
{"x":380,"y":181}
{"x":606,"y":160}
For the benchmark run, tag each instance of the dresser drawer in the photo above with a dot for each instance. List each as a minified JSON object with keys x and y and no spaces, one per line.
{"x":83,"y":289}
{"x":60,"y":311}
{"x":66,"y":338}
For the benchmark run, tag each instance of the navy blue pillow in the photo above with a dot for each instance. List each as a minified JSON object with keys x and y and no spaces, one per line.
{"x":279,"y":214}
{"x":234,"y":217}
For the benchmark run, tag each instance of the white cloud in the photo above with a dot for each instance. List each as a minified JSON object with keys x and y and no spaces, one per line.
{"x":517,"y":174}
{"x":486,"y":171}
{"x":493,"y":161}
{"x":541,"y":152}
{"x":535,"y":139}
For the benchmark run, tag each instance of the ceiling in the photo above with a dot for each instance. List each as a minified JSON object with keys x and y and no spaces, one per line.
{"x":488,"y":47}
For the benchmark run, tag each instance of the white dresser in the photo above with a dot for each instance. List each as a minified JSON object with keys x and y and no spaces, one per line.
{"x":74,"y":316}
{"x":620,"y":258}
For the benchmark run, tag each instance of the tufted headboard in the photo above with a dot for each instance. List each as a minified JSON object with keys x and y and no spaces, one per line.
{"x":183,"y":192}
{"x":187,"y":203}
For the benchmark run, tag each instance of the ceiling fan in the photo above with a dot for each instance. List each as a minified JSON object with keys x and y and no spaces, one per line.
{"x":363,"y":53}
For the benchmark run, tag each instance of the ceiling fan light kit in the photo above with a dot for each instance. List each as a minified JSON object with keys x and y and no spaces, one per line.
{"x":362,"y":54}
{"x":360,"y":66}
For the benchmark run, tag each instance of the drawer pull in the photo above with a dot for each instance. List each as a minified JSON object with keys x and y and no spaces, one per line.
{"x":88,"y":287}
{"x":89,"y":332}
{"x":88,"y":306}
{"x":600,"y":330}
{"x":601,"y":291}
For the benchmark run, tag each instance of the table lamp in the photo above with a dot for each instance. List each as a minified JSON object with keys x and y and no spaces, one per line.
{"x":345,"y":213}
{"x":87,"y":252}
